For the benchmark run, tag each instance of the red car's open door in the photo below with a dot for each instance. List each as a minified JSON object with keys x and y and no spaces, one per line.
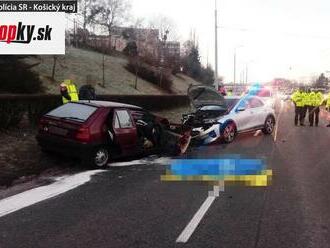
{"x":125,"y":130}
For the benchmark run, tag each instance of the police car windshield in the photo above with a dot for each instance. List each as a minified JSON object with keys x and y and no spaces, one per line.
{"x":73,"y":111}
{"x":264,"y":93}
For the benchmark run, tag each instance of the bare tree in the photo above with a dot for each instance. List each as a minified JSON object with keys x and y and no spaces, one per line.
{"x":84,"y":8}
{"x":55,"y":57}
{"x":87,"y":9}
{"x":138,"y":22}
{"x":103,"y":70}
{"x":57,"y":60}
{"x":110,"y":13}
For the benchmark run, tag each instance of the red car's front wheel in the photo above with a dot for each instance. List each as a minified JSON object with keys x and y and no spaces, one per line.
{"x":229,"y":133}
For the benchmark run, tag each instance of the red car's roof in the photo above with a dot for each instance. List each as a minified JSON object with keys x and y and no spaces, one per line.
{"x":109,"y":104}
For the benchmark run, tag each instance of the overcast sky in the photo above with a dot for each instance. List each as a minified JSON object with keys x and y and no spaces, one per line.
{"x":274,"y":38}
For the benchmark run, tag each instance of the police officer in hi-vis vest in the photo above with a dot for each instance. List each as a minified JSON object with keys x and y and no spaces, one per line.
{"x":316,"y":98}
{"x":69,"y":91}
{"x":298,"y":100}
{"x":327,"y":105}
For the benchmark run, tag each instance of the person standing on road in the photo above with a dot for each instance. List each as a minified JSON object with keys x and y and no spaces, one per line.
{"x":87,"y":92}
{"x":328,"y":106}
{"x":305,"y":102}
{"x":297,"y":98}
{"x":69,"y":91}
{"x":230,"y":92}
{"x":317,"y":103}
{"x":222,"y":90}
{"x":313,"y":109}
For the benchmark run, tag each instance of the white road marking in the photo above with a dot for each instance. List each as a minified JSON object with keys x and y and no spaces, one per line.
{"x":194,"y":222}
{"x":33,"y":196}
{"x":161,"y":160}
{"x":128,"y":163}
{"x":278,"y":121}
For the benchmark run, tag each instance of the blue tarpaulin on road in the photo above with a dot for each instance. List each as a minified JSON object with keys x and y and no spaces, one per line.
{"x":195,"y":167}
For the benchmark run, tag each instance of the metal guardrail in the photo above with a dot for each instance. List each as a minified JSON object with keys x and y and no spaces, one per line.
{"x":150,"y":102}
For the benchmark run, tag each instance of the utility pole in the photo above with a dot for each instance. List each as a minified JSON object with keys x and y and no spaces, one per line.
{"x":235,"y":53}
{"x":216,"y":45}
{"x":162,"y":58}
{"x":207,"y":57}
{"x":235,"y":66}
{"x":136,"y":72}
{"x":246,"y":74}
{"x":103,"y":69}
{"x":74,"y":33}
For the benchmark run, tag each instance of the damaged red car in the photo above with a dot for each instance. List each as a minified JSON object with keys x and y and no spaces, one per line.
{"x":99,"y":131}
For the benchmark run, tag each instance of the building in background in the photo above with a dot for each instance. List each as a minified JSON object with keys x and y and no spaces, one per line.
{"x":172,"y":50}
{"x":148,"y":43}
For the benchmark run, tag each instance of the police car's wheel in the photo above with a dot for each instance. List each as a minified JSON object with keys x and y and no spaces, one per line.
{"x":269,"y":125}
{"x":229,"y":133}
{"x":100,"y":157}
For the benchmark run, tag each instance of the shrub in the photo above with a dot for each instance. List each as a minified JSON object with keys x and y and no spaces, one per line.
{"x":192,"y":66}
{"x":11,"y":114}
{"x":15,"y":77}
{"x":207,"y":75}
{"x":37,"y":108}
{"x":151,"y":74}
{"x":13,"y":110}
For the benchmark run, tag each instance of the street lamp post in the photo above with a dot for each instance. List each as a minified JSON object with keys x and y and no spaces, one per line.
{"x":164,"y":38}
{"x":235,"y":62}
{"x":246,"y":74}
{"x":234,"y":66}
{"x":247,"y":70}
{"x":216,"y":43}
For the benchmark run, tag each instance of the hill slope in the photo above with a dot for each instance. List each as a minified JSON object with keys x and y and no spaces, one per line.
{"x":79,"y":63}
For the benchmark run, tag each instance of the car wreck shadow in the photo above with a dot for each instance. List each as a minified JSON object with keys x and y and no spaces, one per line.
{"x":247,"y":144}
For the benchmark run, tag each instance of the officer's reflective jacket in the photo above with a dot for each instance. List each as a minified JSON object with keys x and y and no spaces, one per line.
{"x":312,"y":100}
{"x":328,"y":101}
{"x":72,"y":92}
{"x":318,"y":99}
{"x":297,"y":98}
{"x":306,"y":99}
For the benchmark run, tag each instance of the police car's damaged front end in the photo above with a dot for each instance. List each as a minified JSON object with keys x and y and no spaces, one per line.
{"x":209,"y":107}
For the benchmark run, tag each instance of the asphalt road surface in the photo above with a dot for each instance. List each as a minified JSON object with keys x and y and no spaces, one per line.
{"x":131,"y":207}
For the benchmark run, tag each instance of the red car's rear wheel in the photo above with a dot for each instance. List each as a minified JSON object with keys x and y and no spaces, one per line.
{"x":98,"y":158}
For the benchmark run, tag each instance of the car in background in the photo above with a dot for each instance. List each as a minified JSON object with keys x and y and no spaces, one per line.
{"x":284,"y":96}
{"x":218,"y":117}
{"x":98,"y":131}
{"x":265,"y":93}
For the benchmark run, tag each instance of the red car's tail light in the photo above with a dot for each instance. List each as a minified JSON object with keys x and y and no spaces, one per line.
{"x":42,"y":124}
{"x":83,"y":134}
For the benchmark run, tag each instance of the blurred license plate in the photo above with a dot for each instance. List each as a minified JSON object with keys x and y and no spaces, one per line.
{"x":58,"y":131}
